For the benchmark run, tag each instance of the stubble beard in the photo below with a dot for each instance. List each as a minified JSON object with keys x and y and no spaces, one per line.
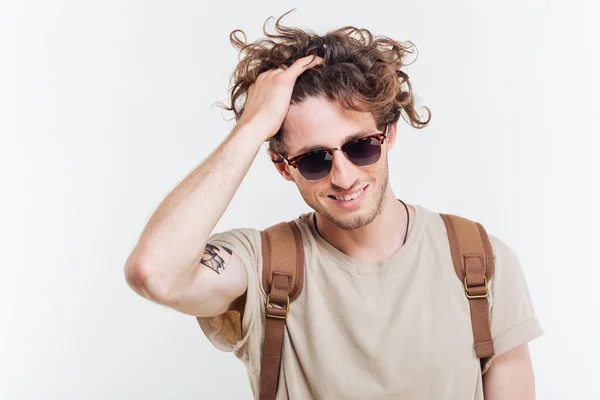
{"x":358,"y":220}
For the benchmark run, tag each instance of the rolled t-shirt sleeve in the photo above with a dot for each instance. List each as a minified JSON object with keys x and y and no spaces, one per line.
{"x":227,"y":332}
{"x":512,"y":317}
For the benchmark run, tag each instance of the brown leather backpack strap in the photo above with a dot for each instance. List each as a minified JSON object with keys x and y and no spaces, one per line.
{"x":283,"y":279}
{"x":474,"y":265}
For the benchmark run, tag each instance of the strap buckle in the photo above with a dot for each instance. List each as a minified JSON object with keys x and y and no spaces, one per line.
{"x":277,"y":310}
{"x":477,"y":296}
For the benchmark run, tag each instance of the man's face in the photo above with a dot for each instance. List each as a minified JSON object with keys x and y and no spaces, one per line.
{"x":322,"y":122}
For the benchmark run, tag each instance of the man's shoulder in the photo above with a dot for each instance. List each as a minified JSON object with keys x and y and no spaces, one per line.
{"x":239,"y":233}
{"x":252,"y":234}
{"x":302,"y":218}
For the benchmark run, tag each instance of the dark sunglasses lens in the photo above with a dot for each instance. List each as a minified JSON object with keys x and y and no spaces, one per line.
{"x":315,"y":166}
{"x":364,"y":152}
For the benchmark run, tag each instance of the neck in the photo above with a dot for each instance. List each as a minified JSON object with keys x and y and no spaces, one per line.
{"x":376,"y":241}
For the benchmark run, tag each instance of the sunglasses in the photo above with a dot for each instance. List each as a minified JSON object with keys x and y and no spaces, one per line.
{"x":317,"y":164}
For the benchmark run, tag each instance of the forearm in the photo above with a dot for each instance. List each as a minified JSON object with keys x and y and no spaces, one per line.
{"x":173,"y":241}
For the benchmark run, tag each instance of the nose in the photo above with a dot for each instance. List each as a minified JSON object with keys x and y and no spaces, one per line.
{"x":343,"y":173}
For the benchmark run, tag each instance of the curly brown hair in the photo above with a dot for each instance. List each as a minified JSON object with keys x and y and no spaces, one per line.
{"x":360,"y":71}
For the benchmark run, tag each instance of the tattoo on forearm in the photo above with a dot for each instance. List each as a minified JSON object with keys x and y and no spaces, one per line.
{"x":212,"y":259}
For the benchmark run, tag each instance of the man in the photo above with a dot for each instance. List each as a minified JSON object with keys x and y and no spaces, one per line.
{"x":382,"y":314}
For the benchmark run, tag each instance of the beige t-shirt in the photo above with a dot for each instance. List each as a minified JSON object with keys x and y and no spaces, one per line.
{"x":395,"y":329}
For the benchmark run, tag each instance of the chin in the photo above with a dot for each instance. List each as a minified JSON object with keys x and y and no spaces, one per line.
{"x":354,"y":221}
{"x":349,"y":219}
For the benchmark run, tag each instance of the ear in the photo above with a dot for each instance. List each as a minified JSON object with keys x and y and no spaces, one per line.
{"x":281,"y":167}
{"x":392,"y":134}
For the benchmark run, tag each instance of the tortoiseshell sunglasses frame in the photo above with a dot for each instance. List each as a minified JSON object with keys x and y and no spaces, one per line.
{"x":293,"y":162}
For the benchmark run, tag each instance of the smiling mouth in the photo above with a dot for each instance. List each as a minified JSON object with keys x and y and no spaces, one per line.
{"x":348,"y":197}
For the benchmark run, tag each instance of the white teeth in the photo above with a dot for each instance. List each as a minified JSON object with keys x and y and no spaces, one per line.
{"x":349,"y":197}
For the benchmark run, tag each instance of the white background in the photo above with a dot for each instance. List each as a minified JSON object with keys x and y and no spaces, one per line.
{"x":105,"y":106}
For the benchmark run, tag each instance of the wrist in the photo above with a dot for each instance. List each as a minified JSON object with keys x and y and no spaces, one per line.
{"x":253,"y":129}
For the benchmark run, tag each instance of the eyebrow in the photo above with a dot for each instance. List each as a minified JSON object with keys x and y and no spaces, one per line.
{"x":359,"y":134}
